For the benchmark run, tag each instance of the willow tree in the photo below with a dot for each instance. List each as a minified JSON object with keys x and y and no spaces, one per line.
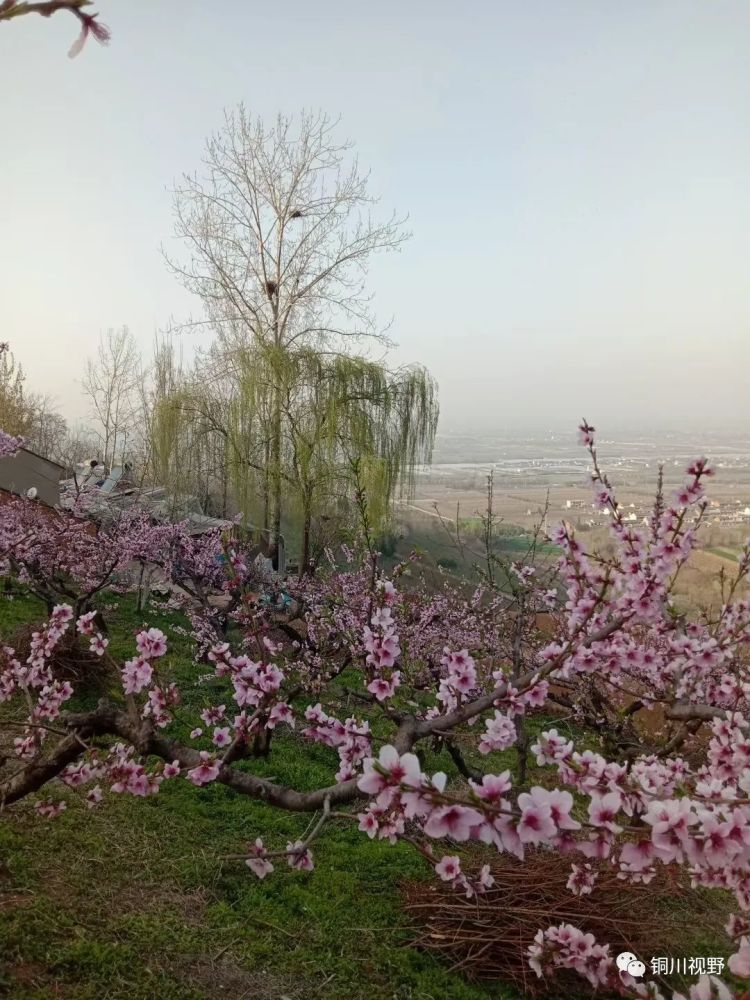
{"x":347,"y":423}
{"x":188,"y":441}
{"x":279,"y":235}
{"x":339,"y":413}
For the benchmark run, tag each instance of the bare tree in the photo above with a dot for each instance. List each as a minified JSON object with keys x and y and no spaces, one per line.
{"x":111,"y":382}
{"x":78,"y":448}
{"x":48,"y":429}
{"x":31,"y":416}
{"x":279,"y":237}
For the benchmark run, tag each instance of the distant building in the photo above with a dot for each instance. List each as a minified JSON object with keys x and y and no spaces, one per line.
{"x":31,"y":475}
{"x":112,"y":493}
{"x":109,"y":494}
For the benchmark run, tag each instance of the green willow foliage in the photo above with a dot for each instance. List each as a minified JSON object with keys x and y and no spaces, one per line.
{"x":347,"y":423}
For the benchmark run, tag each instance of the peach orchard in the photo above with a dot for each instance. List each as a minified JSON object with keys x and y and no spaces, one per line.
{"x":440,"y":668}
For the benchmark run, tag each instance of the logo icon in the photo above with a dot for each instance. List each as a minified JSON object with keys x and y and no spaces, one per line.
{"x":626,"y":961}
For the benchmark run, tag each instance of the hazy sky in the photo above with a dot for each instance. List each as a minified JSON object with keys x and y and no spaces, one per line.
{"x":576,"y":174}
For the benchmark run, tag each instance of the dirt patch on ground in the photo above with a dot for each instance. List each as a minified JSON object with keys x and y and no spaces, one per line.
{"x":14,"y":901}
{"x":95,"y":900}
{"x":26,"y":974}
{"x":191,"y":906}
{"x":224,"y":977}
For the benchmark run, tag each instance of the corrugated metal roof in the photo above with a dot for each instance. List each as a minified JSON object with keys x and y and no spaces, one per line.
{"x":113,"y":478}
{"x":156,"y":500}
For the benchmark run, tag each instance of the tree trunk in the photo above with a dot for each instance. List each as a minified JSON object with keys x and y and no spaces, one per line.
{"x":304,"y":563}
{"x":275,"y":526}
{"x":266,"y":489}
{"x":141,"y":600}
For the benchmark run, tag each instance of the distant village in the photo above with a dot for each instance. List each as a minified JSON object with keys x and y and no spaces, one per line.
{"x":730,"y":512}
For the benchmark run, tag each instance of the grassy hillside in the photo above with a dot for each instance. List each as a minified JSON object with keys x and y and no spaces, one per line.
{"x":136,"y":900}
{"x":133,"y":900}
{"x":444,"y":556}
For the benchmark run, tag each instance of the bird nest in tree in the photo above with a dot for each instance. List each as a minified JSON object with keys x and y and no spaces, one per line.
{"x":487,"y":937}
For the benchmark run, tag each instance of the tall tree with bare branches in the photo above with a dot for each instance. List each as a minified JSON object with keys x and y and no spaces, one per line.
{"x":110,"y":383}
{"x":280,"y":234}
{"x":48,"y":430}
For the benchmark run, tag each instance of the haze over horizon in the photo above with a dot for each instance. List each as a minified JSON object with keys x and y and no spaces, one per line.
{"x":575,"y":178}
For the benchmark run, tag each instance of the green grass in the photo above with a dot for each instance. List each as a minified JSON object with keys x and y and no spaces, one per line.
{"x":733,"y":555}
{"x":134,"y":900}
{"x":441,"y":558}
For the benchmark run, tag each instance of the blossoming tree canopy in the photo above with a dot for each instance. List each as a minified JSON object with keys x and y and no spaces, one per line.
{"x":448,"y":668}
{"x":9,"y":445}
{"x":66,"y":556}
